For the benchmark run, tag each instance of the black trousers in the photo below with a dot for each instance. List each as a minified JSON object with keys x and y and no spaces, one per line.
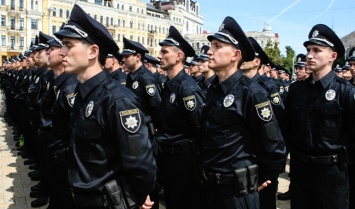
{"x":267,"y":195}
{"x":352,"y":186}
{"x":319,"y":186}
{"x":225,"y":197}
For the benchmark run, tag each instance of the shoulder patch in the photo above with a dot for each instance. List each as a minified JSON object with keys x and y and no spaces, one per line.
{"x":190,"y":102}
{"x":286,"y":88}
{"x":275,"y":98}
{"x":150,"y":89}
{"x":71,"y":99}
{"x":264,"y":111}
{"x":130,"y":120}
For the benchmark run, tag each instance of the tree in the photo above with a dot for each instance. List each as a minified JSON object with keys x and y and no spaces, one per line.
{"x":288,"y":60}
{"x":273,"y":52}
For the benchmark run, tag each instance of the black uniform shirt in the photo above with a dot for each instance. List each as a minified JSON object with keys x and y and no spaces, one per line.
{"x":321,"y":115}
{"x":182,"y":99}
{"x":142,"y":83}
{"x":240,"y":128}
{"x":119,"y":76}
{"x":159,"y":79}
{"x":205,"y":84}
{"x":38,"y":82}
{"x":108,"y":139}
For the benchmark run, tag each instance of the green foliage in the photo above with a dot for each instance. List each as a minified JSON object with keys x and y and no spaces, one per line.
{"x":288,"y":61}
{"x":273,"y":52}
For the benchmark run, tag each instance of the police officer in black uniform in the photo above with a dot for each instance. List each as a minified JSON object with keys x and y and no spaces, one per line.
{"x":208,"y":74}
{"x":113,"y":66}
{"x":321,"y":125}
{"x":242,"y":145}
{"x":182,"y":99}
{"x":109,"y":144}
{"x":152,"y":63}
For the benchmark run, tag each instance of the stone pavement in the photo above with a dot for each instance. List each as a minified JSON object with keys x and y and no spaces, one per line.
{"x":15,"y":185}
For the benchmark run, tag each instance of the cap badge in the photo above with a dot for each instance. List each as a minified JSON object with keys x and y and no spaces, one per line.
{"x":228,"y":100}
{"x":190,"y":102}
{"x":150,"y":89}
{"x":135,"y":85}
{"x":281,"y":90}
{"x":353,"y":53}
{"x":172,"y":98}
{"x":346,"y":63}
{"x":275,"y":98}
{"x":286,"y":88}
{"x":337,"y":66}
{"x":221,"y":27}
{"x":89,"y":109}
{"x":299,"y":59}
{"x":330,"y":94}
{"x":315,"y":33}
{"x":264,"y":111}
{"x":130,"y":120}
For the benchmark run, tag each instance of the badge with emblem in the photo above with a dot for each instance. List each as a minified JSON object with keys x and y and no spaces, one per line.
{"x":89,"y":109}
{"x":57,"y":94}
{"x":190,"y":102}
{"x":275,"y":98}
{"x":130,"y":120}
{"x":30,"y":78}
{"x":228,"y":100}
{"x":135,"y":85}
{"x":162,"y":85}
{"x":221,"y":27}
{"x":264,"y":111}
{"x":37,"y":79}
{"x":71,"y":99}
{"x":281,"y":90}
{"x":150,"y":89}
{"x":330,"y":94}
{"x":25,"y":77}
{"x":315,"y":33}
{"x":172,"y":98}
{"x":286,"y":88}
{"x":299,"y":59}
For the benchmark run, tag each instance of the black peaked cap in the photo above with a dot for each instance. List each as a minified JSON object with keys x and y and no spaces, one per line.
{"x":300,"y":60}
{"x":203,"y":53}
{"x":42,"y":41}
{"x":322,"y":35}
{"x":150,"y":59}
{"x":175,"y":39}
{"x":259,"y":52}
{"x":351,"y":54}
{"x":82,"y":26}
{"x":230,"y":32}
{"x":132,"y":47}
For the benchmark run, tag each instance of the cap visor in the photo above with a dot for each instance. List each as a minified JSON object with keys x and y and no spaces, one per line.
{"x":315,"y":42}
{"x":67,"y":33}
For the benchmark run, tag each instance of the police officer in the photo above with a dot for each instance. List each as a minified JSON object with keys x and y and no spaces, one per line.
{"x":338,"y":71}
{"x":208,"y":74}
{"x":113,"y":66}
{"x":140,"y":80}
{"x":152,"y":64}
{"x":63,"y":91}
{"x":109,"y":144}
{"x":194,"y":71}
{"x":320,"y":111}
{"x":181,"y":102}
{"x":242,"y":144}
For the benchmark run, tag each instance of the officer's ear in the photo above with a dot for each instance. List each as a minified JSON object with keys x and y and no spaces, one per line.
{"x":93,"y":51}
{"x":237,"y":55}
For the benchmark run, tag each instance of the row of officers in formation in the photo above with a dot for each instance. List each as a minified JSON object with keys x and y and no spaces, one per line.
{"x":109,"y":129}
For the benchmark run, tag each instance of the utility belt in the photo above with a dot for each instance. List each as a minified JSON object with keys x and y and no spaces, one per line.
{"x":185,"y":147}
{"x":245,"y":180}
{"x":90,"y":200}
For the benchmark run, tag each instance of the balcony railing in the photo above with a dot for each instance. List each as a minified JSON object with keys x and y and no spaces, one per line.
{"x":14,"y":8}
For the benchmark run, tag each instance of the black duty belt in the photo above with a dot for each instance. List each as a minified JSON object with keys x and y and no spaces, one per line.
{"x":317,"y":160}
{"x":90,"y":200}
{"x":180,"y":147}
{"x":219,"y":178}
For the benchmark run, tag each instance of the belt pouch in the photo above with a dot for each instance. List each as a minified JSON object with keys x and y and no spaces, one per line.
{"x":242,"y":181}
{"x":253,"y":177}
{"x":114,"y":191}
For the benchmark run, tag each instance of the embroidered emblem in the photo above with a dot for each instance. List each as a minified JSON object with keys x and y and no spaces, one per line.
{"x":315,"y":33}
{"x":330,"y":94}
{"x":299,"y":59}
{"x":228,"y":100}
{"x":281,"y":90}
{"x":130,"y":120}
{"x":71,"y":99}
{"x":150,"y":89}
{"x":37,"y":79}
{"x":264,"y":111}
{"x":172,"y":98}
{"x":89,"y":109}
{"x":221,"y":27}
{"x":190,"y":102}
{"x":286,"y":88}
{"x":275,"y":98}
{"x":135,"y":85}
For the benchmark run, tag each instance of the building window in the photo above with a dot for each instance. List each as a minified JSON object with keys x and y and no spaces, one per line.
{"x":131,"y":37}
{"x":148,"y":27}
{"x":139,"y":26}
{"x":131,"y":24}
{"x":187,"y":25}
{"x":3,"y":2}
{"x":101,"y":19}
{"x":12,"y":23}
{"x":143,"y":40}
{"x":54,"y":12}
{"x":3,"y":40}
{"x":118,"y":6}
{"x":159,"y":29}
{"x":130,"y":8}
{"x":142,"y":11}
{"x":12,"y":4}
{"x":3,"y":20}
{"x":61,"y":13}
{"x":123,"y":23}
{"x":142,"y":26}
{"x":95,"y":17}
{"x":107,"y":21}
{"x":99,"y":2}
{"x":22,"y":23}
{"x":118,"y":22}
{"x":138,"y":39}
{"x":119,"y":37}
{"x":111,"y":21}
{"x":22,"y":41}
{"x":122,"y":7}
{"x":12,"y":42}
{"x":34,"y":24}
{"x":21,"y":5}
{"x":54,"y":29}
{"x":198,"y":45}
{"x":67,"y":14}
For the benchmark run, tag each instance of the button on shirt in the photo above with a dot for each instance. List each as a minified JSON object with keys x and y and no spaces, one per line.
{"x":321,"y":115}
{"x":109,"y":139}
{"x":240,"y":128}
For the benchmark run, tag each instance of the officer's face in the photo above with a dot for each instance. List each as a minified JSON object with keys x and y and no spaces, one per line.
{"x":347,"y":75}
{"x":42,"y":57}
{"x":169,"y":56}
{"x":339,"y":74}
{"x":24,"y":63}
{"x":193,"y":69}
{"x":319,"y":57}
{"x":247,"y":65}
{"x":222,"y":55}
{"x":301,"y":73}
{"x":76,"y":55}
{"x":273,"y":74}
{"x":109,"y":62}
{"x":130,"y":61}
{"x":352,"y":67}
{"x":282,"y":75}
{"x":54,"y":59}
{"x":203,"y":66}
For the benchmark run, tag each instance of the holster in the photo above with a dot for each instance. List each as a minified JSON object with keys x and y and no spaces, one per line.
{"x":242,"y":181}
{"x":121,"y":194}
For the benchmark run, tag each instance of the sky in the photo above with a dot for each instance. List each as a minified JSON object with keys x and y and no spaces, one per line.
{"x":291,"y":19}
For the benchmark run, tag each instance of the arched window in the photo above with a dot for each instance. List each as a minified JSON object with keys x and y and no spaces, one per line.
{"x":67,"y":13}
{"x":187,"y":5}
{"x":142,"y":26}
{"x":54,"y":12}
{"x":118,"y":22}
{"x":123,"y":23}
{"x":61,"y":13}
{"x":197,"y":8}
{"x":131,"y":24}
{"x":139,"y":26}
{"x":122,"y":7}
{"x":130,"y":8}
{"x":101,"y":19}
{"x":142,"y":11}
